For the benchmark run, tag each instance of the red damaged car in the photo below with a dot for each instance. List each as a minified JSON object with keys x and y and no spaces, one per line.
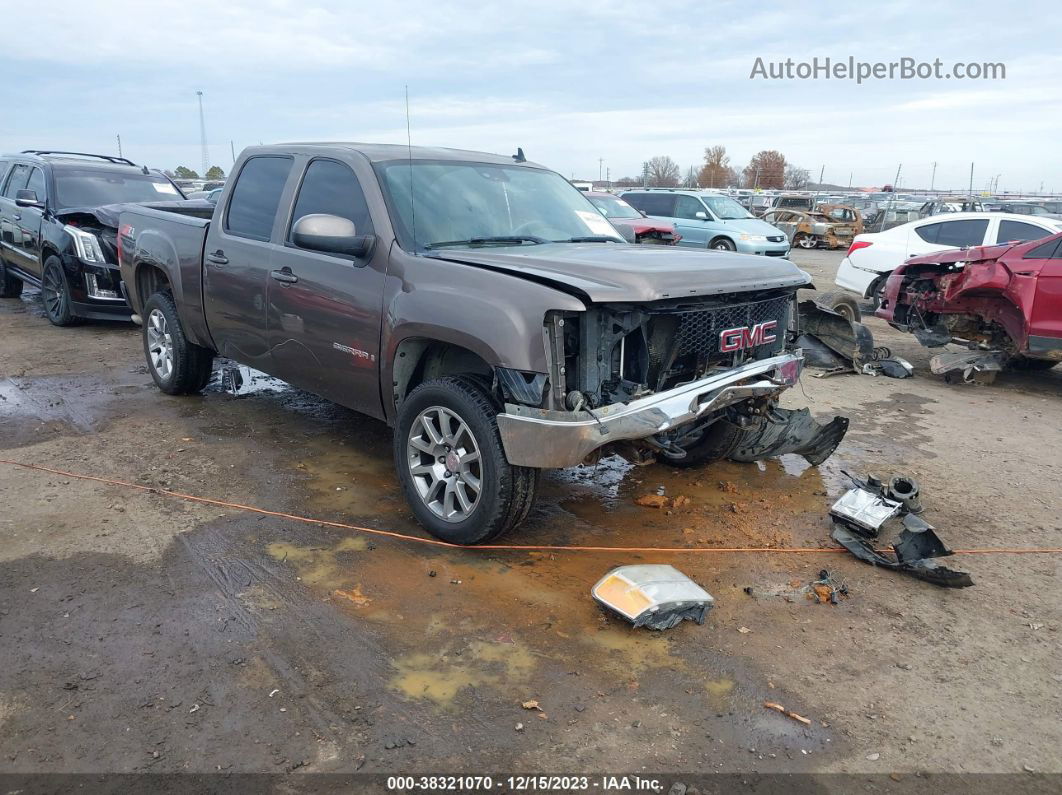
{"x":643,"y":229}
{"x":1003,"y":303}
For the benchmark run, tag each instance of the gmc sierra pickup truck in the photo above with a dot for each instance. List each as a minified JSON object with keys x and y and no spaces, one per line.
{"x":480,"y":305}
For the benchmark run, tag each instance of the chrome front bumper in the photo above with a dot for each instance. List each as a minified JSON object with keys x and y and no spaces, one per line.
{"x":543,"y":438}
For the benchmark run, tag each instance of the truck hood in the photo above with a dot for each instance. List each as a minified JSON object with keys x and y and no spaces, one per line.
{"x":607,"y":272}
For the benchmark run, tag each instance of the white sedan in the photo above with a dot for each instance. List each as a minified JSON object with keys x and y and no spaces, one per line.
{"x":874,"y":255}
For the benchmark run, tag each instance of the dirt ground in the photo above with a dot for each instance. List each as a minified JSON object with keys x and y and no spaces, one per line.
{"x":139,"y":632}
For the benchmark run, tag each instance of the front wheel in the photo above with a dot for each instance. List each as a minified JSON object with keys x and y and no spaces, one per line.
{"x":806,"y":241}
{"x":55,"y":294}
{"x":723,"y":244}
{"x":178,"y":366}
{"x":451,"y":464}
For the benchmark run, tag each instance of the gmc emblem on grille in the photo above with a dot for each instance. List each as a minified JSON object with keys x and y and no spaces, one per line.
{"x":736,"y":339}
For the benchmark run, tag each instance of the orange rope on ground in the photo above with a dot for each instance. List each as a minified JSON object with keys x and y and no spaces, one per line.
{"x":511,"y":547}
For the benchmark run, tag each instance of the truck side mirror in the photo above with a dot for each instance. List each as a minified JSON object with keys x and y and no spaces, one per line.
{"x":28,"y":198}
{"x":701,"y":214}
{"x":331,"y":234}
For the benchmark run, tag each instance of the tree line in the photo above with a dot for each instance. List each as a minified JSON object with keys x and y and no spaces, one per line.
{"x":766,"y":169}
{"x":183,"y":172}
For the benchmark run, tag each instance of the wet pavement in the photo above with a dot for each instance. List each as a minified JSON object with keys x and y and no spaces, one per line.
{"x":141,"y":632}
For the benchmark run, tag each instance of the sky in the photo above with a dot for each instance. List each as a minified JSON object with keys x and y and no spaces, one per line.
{"x":581,"y":86}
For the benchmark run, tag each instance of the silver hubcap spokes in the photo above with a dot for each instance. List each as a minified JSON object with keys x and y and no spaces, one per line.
{"x":444,"y":463}
{"x":160,"y":344}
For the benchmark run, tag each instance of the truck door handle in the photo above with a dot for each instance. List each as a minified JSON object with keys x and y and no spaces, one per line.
{"x":284,"y":276}
{"x":218,"y":258}
{"x":17,"y":216}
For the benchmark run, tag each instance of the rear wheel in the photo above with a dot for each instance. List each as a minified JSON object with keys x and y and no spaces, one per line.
{"x":723,"y":244}
{"x":10,"y":285}
{"x":55,"y":294}
{"x":178,"y":367}
{"x":806,"y":241}
{"x":451,"y":464}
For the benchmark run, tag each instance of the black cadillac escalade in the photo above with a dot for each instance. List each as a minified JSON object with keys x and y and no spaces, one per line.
{"x":51,"y":233}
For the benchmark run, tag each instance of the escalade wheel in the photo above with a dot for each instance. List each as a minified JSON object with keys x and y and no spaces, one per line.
{"x":451,"y":464}
{"x":179,"y":367}
{"x":10,"y":285}
{"x":55,"y":294}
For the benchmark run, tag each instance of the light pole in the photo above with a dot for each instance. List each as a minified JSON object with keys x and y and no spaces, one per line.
{"x":202,"y":135}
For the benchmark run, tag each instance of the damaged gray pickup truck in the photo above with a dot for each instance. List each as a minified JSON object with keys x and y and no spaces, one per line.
{"x":481,"y":306}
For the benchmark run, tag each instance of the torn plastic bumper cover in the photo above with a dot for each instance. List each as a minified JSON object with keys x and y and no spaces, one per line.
{"x":791,"y":431}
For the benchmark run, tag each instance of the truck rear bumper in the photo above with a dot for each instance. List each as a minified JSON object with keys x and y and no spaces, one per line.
{"x":549,"y":439}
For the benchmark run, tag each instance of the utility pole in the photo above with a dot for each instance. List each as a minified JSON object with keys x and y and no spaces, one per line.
{"x":232,"y":151}
{"x":202,"y":135}
{"x":119,"y":137}
{"x":896,"y":182}
{"x":645,"y":174}
{"x":971,"y":180}
{"x":821,"y":172}
{"x":600,"y":167}
{"x":849,"y":180}
{"x":933,"y":179}
{"x":608,"y":177}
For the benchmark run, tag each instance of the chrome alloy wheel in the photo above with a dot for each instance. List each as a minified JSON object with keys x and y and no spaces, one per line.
{"x":444,"y":463}
{"x":160,"y":344}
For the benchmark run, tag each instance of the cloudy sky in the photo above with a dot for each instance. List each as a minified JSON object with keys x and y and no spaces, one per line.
{"x":570,"y":82}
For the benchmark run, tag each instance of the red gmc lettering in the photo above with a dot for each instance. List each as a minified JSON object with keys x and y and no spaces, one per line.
{"x":735,"y":339}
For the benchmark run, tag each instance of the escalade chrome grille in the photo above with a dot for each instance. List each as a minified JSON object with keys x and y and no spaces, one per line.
{"x":699,"y":329}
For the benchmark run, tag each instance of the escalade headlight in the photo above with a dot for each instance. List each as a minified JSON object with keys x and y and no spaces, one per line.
{"x":86,"y":245}
{"x":754,"y":238}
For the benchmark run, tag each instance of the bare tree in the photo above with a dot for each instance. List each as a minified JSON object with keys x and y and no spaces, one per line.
{"x":716,"y":171}
{"x":796,"y":178}
{"x":627,"y":182}
{"x":662,"y":172}
{"x":766,"y":170}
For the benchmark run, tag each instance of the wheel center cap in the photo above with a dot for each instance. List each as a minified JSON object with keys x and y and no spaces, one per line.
{"x":453,"y":461}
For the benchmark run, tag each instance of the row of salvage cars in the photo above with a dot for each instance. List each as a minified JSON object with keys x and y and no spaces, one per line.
{"x":988,"y":282}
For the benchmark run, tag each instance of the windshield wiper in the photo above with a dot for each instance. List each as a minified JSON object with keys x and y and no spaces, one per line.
{"x":475,"y":241}
{"x":589,"y":239}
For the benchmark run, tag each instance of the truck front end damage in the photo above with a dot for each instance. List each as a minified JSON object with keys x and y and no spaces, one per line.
{"x":647,"y":380}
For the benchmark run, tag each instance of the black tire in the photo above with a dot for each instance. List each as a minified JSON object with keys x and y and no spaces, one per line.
{"x":189,"y":364}
{"x":877,"y":292}
{"x":506,"y":493}
{"x":10,"y":285}
{"x":842,"y":303}
{"x":717,"y":442}
{"x":1031,"y":365}
{"x":723,"y":244}
{"x":55,"y":294}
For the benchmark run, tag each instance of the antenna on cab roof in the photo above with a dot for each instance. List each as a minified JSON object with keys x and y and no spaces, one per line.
{"x":409,"y":151}
{"x":519,"y":156}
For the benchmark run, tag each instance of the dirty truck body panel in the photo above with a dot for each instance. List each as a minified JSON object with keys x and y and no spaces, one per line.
{"x":498,"y":284}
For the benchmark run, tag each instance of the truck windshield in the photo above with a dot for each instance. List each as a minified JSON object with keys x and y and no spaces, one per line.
{"x":725,"y":208}
{"x":453,"y":203}
{"x":94,"y":187}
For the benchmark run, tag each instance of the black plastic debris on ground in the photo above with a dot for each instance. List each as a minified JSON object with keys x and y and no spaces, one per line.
{"x":916,"y":547}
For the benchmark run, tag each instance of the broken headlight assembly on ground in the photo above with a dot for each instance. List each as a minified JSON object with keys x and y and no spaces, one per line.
{"x":656,"y":596}
{"x":873,"y":510}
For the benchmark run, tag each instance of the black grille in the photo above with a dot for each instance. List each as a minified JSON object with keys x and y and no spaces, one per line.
{"x":776,"y":238}
{"x":699,"y":329}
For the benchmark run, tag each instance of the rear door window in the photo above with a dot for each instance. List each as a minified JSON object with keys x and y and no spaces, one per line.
{"x":1049,"y":250}
{"x":954,"y":234}
{"x":331,"y":188}
{"x":17,"y":180}
{"x":256,"y":196}
{"x":1019,"y":231}
{"x":652,"y":203}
